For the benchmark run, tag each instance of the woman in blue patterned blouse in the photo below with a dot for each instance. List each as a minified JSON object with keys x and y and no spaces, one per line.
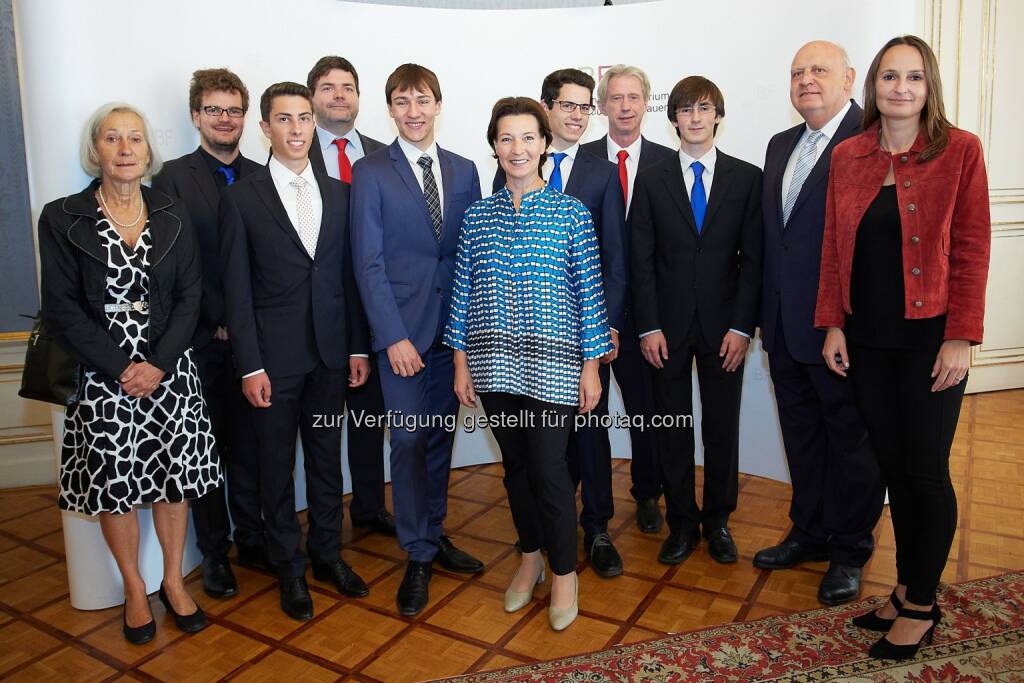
{"x":528,"y":326}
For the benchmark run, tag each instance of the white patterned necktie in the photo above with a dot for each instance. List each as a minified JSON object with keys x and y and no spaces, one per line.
{"x":307,"y":228}
{"x":430,"y":194}
{"x":804,"y":163}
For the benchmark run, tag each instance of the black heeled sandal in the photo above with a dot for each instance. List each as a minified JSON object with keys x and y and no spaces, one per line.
{"x":872,"y":622}
{"x":883,"y":649}
{"x":189,"y":623}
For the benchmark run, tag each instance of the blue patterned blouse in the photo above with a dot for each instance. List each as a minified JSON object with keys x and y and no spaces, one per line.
{"x":527,"y":300}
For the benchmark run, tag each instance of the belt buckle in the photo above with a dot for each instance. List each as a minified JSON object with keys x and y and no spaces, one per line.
{"x":139,"y":306}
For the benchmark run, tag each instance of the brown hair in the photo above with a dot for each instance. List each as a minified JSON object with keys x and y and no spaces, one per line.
{"x":409,"y":76}
{"x":554,"y":81}
{"x":515,"y":106}
{"x":689,"y":92}
{"x":327,"y":64}
{"x":205,"y":80}
{"x":933,"y":115}
{"x":280,"y":90}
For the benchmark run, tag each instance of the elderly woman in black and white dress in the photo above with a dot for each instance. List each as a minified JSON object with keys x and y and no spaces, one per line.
{"x":120,"y":287}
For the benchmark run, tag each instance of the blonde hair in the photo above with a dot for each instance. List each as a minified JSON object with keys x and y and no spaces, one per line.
{"x":87,"y":154}
{"x":623,"y":70}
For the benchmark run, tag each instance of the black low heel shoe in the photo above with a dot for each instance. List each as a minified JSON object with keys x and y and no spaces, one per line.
{"x":883,"y":649}
{"x":872,"y":622}
{"x":139,"y":635}
{"x":189,"y":623}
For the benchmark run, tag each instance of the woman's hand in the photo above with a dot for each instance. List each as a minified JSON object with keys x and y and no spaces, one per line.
{"x":463,"y":382}
{"x":951,"y":364}
{"x":834,"y":351}
{"x":590,"y":386}
{"x":141,"y":379}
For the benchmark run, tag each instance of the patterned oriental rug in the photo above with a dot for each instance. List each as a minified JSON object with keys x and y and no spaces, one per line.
{"x":981,"y":638}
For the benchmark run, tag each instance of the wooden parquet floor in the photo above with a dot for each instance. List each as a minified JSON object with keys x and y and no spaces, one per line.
{"x":464,"y":628}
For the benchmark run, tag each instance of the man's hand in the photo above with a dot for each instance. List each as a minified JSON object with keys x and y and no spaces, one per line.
{"x":141,"y":379}
{"x":358,"y":371}
{"x":614,"y":353}
{"x":734,"y":348}
{"x":257,"y":390}
{"x":221,"y":334}
{"x":655,"y":349}
{"x":404,"y":358}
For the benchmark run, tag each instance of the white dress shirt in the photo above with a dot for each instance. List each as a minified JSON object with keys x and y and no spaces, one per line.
{"x":828,"y":132}
{"x":413,"y":153}
{"x":353,"y":150}
{"x":566,"y":165}
{"x":632,"y":163}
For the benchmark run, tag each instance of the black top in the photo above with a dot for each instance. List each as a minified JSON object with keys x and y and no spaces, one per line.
{"x":876,"y":285}
{"x":214,"y":164}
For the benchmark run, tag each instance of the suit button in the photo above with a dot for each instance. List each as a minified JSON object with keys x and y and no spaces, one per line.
{"x":911,"y":207}
{"x":440,"y":258}
{"x":918,"y":304}
{"x":915,"y":239}
{"x":778,"y":292}
{"x":438,"y":290}
{"x":316,"y":268}
{"x":698,"y":250}
{"x":915,"y":271}
{"x":904,"y":158}
{"x":906,"y":183}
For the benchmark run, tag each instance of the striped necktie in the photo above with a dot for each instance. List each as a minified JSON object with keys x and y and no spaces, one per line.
{"x":804,"y":163}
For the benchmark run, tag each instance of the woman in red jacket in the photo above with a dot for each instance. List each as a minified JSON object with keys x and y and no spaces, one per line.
{"x":902,"y":295}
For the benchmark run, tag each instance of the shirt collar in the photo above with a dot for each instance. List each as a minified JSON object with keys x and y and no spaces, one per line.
{"x":633,"y":149}
{"x":327,"y":138}
{"x":830,"y":128}
{"x":708,"y":160}
{"x":413,"y":153}
{"x":214,"y":163}
{"x":570,"y":152}
{"x":283,"y":175}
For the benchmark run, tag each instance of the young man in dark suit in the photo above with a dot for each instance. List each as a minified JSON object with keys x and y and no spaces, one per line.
{"x":337,"y":145}
{"x":218,"y":101}
{"x":407,"y":207}
{"x":567,"y":96}
{"x":622,"y":96}
{"x":696,"y":275}
{"x":837,"y":493}
{"x":297,"y":328}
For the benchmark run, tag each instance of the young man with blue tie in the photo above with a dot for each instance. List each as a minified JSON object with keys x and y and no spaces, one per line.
{"x":696,"y":276}
{"x":407,"y":205}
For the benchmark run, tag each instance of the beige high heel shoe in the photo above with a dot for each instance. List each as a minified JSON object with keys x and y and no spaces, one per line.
{"x":561,"y":617}
{"x":516,"y":600}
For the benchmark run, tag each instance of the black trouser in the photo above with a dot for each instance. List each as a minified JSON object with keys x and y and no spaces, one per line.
{"x":366,"y":450}
{"x":590,"y":465}
{"x":720,"y":424}
{"x":308,"y":405}
{"x":231,"y":419}
{"x":540,"y":492}
{"x":911,"y":429}
{"x":837,"y":491}
{"x":633,"y":375}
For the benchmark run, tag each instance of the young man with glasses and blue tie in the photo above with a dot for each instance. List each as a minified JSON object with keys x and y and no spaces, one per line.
{"x":696,"y":278}
{"x":218,"y":101}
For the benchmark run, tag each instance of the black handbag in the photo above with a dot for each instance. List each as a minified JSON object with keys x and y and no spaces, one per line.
{"x":50,"y":374}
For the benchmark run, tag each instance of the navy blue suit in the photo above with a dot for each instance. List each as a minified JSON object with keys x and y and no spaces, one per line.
{"x":404,"y":275}
{"x":595,"y":181}
{"x":837,"y":497}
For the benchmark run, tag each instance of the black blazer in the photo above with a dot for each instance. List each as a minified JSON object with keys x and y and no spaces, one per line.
{"x":74,"y":281}
{"x":316,"y":155}
{"x":286,"y":311}
{"x":188,"y":180}
{"x":650,"y":153}
{"x":595,"y":182}
{"x":792,"y":255}
{"x":678,"y":274}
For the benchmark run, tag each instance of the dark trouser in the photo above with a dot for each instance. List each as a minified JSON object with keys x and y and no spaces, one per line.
{"x":366,"y":450}
{"x":633,"y":375}
{"x":837,"y":492}
{"x":590,"y":465}
{"x":540,"y":492}
{"x":912,"y":430}
{"x":230,"y":416}
{"x":309,"y":406}
{"x":421,"y":458}
{"x":720,"y":425}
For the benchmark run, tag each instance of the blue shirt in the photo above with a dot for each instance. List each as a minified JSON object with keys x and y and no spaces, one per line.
{"x":527,"y":301}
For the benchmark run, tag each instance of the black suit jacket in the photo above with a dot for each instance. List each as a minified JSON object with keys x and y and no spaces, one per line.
{"x":678,"y":274}
{"x":189,"y":182}
{"x":286,"y":311}
{"x":792,"y":254}
{"x":595,"y":182}
{"x":316,"y":155}
{"x":650,"y":152}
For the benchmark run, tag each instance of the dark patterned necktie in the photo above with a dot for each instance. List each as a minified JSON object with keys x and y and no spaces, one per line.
{"x":430,"y":194}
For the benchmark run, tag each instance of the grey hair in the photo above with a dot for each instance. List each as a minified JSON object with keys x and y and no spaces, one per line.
{"x":87,"y":154}
{"x":845,"y":57}
{"x":623,"y":70}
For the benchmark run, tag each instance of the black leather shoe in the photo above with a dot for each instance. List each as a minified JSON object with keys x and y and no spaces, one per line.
{"x":253,"y":557}
{"x":413,"y":593}
{"x":295,"y":599}
{"x":343,"y":577}
{"x":382,"y":523}
{"x":604,"y":558}
{"x":678,"y":546}
{"x":648,"y":515}
{"x":139,"y":635}
{"x":455,"y":560}
{"x":189,"y":623}
{"x":787,"y":554}
{"x":721,"y":546}
{"x":218,"y":579}
{"x":841,"y":584}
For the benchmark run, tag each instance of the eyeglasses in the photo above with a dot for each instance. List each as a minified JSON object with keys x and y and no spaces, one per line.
{"x":568,"y":107}
{"x":704,"y":108}
{"x":215,"y":111}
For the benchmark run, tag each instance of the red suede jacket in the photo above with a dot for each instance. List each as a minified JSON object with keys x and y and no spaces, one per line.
{"x":947,"y":229}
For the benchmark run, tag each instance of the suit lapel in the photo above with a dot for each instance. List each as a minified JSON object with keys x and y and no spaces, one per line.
{"x":673,"y":179}
{"x":779,"y":170}
{"x":578,"y":174}
{"x":327,"y":201}
{"x":201,"y":176}
{"x":447,"y":185}
{"x":723,"y":167}
{"x":404,"y":171}
{"x":267,"y":192}
{"x":820,"y":171}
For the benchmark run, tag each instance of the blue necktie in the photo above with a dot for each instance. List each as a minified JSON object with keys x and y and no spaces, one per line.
{"x":229,"y":174}
{"x":555,"y":180}
{"x":698,"y":198}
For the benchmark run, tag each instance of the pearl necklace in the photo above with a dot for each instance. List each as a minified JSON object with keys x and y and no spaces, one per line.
{"x":110,"y":215}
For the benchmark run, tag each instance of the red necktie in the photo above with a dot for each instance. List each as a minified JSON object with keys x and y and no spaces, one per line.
{"x":623,"y":175}
{"x":344,"y":166}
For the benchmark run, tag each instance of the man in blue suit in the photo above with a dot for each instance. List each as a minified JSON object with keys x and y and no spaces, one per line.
{"x":407,"y":205}
{"x":568,"y":97}
{"x":837,"y":497}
